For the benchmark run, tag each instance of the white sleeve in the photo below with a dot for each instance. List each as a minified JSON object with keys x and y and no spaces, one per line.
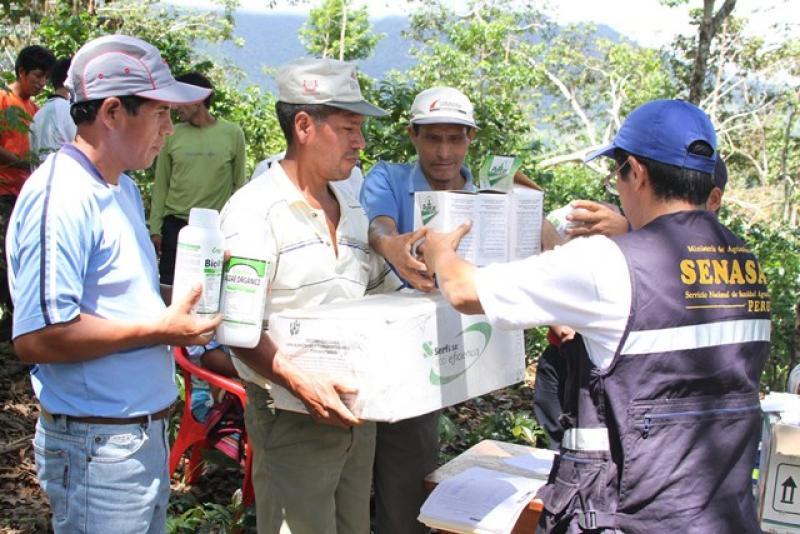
{"x":584,"y":284}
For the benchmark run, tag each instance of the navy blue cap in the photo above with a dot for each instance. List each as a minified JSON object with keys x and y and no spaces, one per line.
{"x":663,"y":130}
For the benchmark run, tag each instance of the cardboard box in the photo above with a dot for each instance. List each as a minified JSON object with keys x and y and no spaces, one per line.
{"x":779,"y":478}
{"x":407,"y":353}
{"x":505,"y":226}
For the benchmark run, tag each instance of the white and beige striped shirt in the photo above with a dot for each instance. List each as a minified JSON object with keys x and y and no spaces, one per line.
{"x":304,"y":267}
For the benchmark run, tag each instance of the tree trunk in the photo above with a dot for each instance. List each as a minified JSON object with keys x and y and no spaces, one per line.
{"x":709,"y":25}
{"x":343,"y":32}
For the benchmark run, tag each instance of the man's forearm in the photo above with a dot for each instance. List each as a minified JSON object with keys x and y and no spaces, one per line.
{"x":456,"y":279}
{"x":86,"y":337}
{"x":262,"y":359}
{"x":381,"y":228}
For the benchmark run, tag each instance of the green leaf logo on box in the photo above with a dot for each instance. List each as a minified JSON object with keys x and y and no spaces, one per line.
{"x":428,"y":211}
{"x":454,"y":355}
{"x":497,"y":172}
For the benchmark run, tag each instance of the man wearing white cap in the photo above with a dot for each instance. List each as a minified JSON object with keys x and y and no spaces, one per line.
{"x":441,"y":130}
{"x":89,"y":313}
{"x":311,"y":473}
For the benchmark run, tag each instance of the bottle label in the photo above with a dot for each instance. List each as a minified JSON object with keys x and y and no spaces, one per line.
{"x":198,"y":264}
{"x":243,"y":291}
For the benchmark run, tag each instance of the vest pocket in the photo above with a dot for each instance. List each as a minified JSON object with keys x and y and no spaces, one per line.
{"x":682,"y":457}
{"x":578,"y":482}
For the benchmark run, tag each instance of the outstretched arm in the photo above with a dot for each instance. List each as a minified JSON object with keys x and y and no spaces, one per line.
{"x":455,"y":275}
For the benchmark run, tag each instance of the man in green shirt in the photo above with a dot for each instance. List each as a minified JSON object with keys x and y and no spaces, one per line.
{"x":200,"y":166}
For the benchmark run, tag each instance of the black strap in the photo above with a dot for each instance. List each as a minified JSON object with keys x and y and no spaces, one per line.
{"x":593,"y":520}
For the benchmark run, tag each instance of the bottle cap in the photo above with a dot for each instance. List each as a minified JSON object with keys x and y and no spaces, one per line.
{"x":204,"y":217}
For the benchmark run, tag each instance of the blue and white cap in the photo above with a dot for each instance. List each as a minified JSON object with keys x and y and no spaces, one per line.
{"x":663,"y":130}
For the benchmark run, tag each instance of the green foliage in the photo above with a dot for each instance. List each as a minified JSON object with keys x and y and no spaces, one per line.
{"x":201,"y":518}
{"x":387,"y":138}
{"x":254,"y":111}
{"x":565,"y":183}
{"x":776,"y":248}
{"x":65,"y":31}
{"x":535,"y":343}
{"x":485,"y":56}
{"x":499,"y":421}
{"x":512,"y":427}
{"x":321,"y":33}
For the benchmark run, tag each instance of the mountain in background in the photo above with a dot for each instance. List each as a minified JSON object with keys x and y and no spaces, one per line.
{"x":271,"y":39}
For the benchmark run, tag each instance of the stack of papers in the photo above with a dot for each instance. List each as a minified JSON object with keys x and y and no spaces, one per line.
{"x":479,"y":501}
{"x":538,"y":462}
{"x":786,"y":405}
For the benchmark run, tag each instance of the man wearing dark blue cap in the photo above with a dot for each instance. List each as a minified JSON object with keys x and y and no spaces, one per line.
{"x":673,"y":328}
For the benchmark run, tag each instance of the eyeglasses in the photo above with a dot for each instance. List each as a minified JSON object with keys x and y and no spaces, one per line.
{"x":610,"y":179}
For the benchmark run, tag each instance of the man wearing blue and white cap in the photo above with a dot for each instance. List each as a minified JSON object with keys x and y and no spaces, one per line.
{"x":673,"y":322}
{"x":89,"y":312}
{"x":311,"y":472}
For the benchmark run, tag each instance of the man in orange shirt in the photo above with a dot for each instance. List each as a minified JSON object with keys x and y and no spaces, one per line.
{"x":32,"y":69}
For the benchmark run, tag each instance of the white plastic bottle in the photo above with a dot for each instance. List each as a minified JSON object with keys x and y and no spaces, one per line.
{"x":199,"y":260}
{"x":244,"y":292}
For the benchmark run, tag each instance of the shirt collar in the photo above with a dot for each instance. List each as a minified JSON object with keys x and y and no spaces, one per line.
{"x":420,"y":183}
{"x":75,"y":153}
{"x":289,"y":190}
{"x":293,"y":195}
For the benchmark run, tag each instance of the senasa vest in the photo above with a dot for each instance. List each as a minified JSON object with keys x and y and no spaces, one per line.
{"x":665,"y":438}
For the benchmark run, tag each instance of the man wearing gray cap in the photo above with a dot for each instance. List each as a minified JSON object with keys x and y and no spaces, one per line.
{"x":311,"y":473}
{"x":89,"y":313}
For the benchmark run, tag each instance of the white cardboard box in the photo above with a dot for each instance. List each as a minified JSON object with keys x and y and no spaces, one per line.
{"x":779,"y":479}
{"x":505,"y":226}
{"x":407,"y":353}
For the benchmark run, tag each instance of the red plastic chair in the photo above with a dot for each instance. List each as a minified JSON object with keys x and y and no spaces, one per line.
{"x":192,"y":433}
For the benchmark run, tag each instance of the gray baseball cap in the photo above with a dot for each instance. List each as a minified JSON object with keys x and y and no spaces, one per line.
{"x":119,"y":65}
{"x":324,"y":81}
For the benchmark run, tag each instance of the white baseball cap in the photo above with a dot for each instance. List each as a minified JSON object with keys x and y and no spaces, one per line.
{"x":324,"y":81}
{"x":442,"y":105}
{"x":119,"y":65}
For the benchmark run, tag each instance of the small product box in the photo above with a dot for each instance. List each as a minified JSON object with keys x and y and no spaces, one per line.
{"x":407,"y":353}
{"x":497,"y":173}
{"x":505,"y":226}
{"x":779,"y":469}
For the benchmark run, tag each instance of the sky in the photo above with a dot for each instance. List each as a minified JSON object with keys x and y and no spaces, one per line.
{"x":645,"y":21}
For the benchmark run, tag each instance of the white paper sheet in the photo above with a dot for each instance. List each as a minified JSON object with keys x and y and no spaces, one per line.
{"x":539,"y":462}
{"x":479,"y":501}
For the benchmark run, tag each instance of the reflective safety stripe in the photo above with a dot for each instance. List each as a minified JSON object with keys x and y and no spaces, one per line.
{"x":586,"y":439}
{"x":697,"y":336}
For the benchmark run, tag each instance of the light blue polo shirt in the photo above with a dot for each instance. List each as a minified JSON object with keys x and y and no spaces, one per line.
{"x":389,"y":188}
{"x":77,"y":244}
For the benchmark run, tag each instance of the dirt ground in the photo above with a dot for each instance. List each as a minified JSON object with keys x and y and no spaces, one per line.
{"x":24,"y":506}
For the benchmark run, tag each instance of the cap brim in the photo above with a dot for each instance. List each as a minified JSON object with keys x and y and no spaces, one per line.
{"x":444,"y":120}
{"x":362,"y":108}
{"x":605,"y":151}
{"x":177,"y":93}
